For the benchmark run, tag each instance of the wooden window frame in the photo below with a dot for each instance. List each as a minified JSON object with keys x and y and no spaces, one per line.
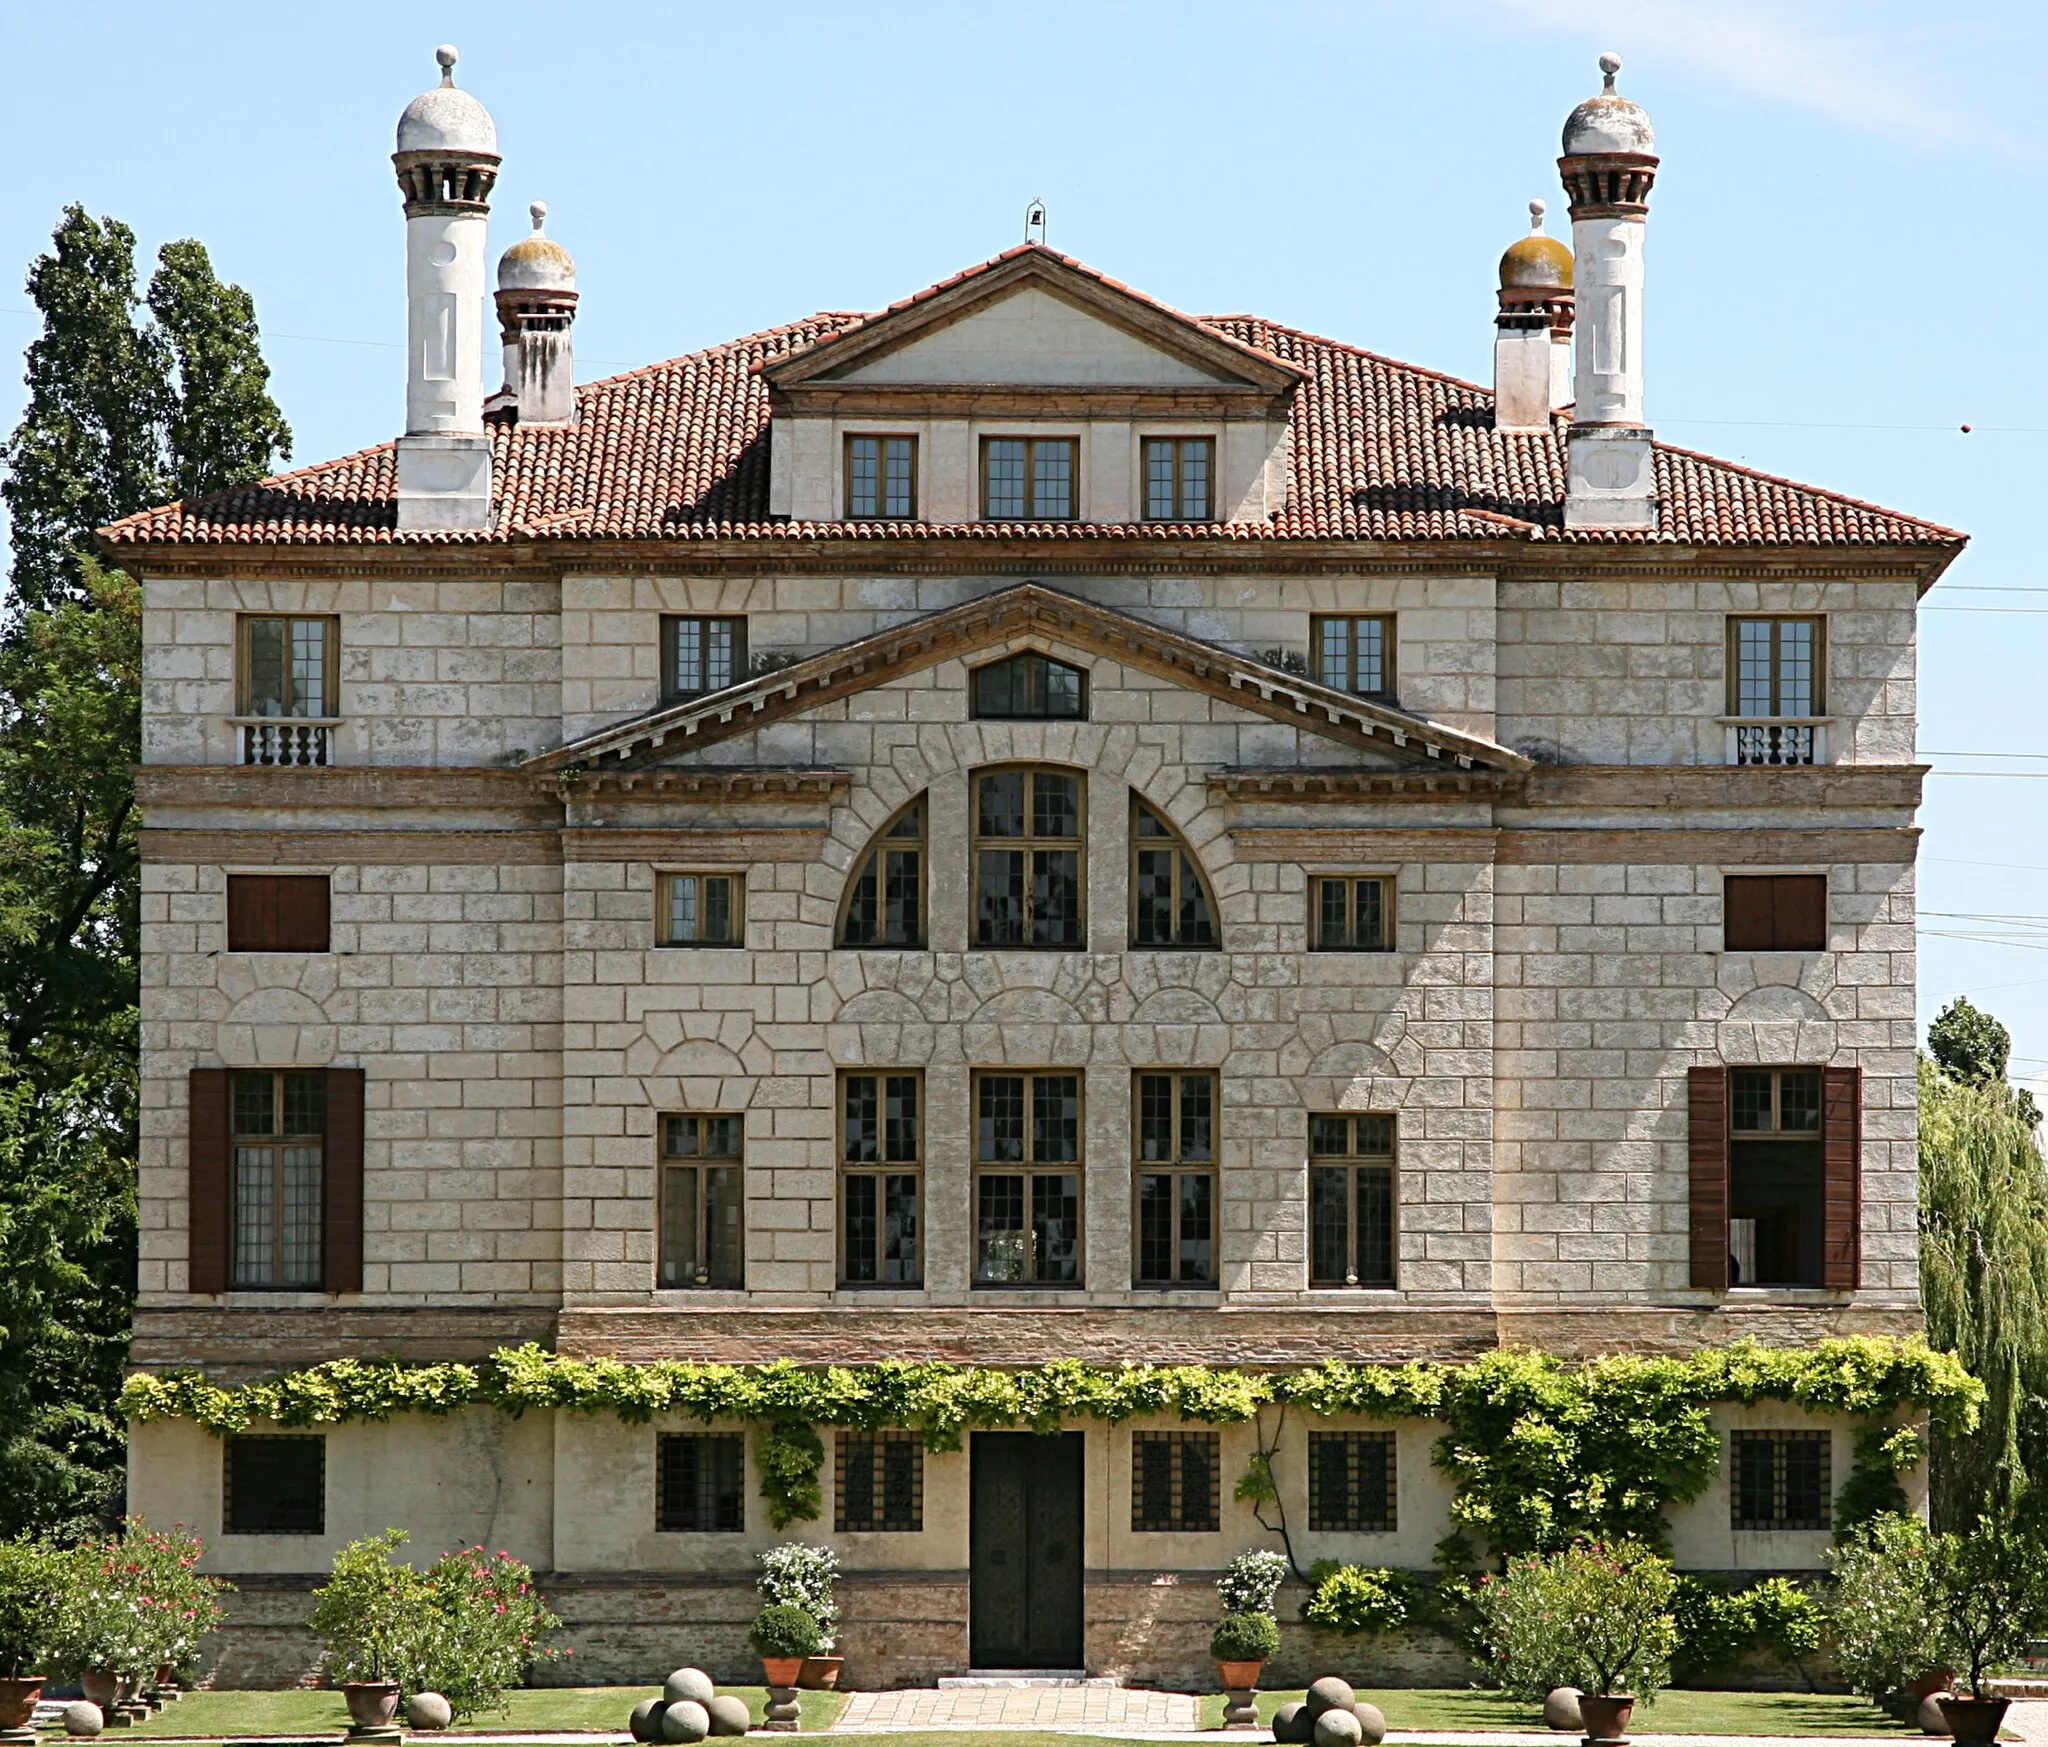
{"x":1180,"y":446}
{"x":330,"y":690}
{"x":664,"y":909}
{"x":879,"y":514}
{"x":235,"y":1443}
{"x":1389,"y":673}
{"x":881,"y":1168}
{"x":1183,"y":867}
{"x":671,"y":656}
{"x":250,"y":895}
{"x":1174,"y":1166}
{"x":1030,"y":1168}
{"x":1780,"y":1520}
{"x":668,"y":1511}
{"x":671,"y":1160}
{"x":1358,"y":1159}
{"x":1032,"y":444}
{"x":890,"y":840}
{"x":1208,"y":1517}
{"x":1390,"y":916}
{"x":276,"y":1142}
{"x":976,"y":712}
{"x":1766,"y":911}
{"x":1351,"y":1521}
{"x":878,"y":1521}
{"x":1733,"y":662}
{"x":1029,"y":844}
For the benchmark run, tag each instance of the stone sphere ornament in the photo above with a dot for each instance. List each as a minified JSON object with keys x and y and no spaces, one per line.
{"x":729,"y":1715}
{"x":1561,"y":1711}
{"x":1931,"y":1719}
{"x":685,"y":1720}
{"x":1291,"y":1722}
{"x":83,"y":1717}
{"x":429,"y":1710}
{"x":1338,"y":1729}
{"x":646,"y":1723}
{"x":689,"y":1683}
{"x":1329,"y":1694}
{"x":1372,"y":1723}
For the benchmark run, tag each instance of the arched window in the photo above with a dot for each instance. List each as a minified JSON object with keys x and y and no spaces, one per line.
{"x":1029,"y":687}
{"x":1027,"y":859}
{"x":1170,"y":901}
{"x":885,"y":898}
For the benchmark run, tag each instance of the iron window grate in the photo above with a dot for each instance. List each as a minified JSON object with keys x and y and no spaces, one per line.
{"x":700,"y":1484}
{"x":274,"y":1485}
{"x":1173,"y":1482}
{"x":1351,"y":1481}
{"x":1780,"y":1480}
{"x":878,"y":1483}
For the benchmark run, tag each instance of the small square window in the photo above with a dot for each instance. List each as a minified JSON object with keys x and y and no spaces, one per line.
{"x":700,"y":1484}
{"x":1351,"y":1482}
{"x":701,"y":655}
{"x":878,"y":1482}
{"x":1774,"y":913}
{"x":1780,"y":1480}
{"x":289,"y":666}
{"x":278,"y":912}
{"x":881,"y":478}
{"x":1349,"y":914}
{"x":1173,"y":1482}
{"x":274,"y":1486}
{"x":1180,"y":475}
{"x":1029,"y":479}
{"x":1354,"y":655}
{"x":702,"y":910}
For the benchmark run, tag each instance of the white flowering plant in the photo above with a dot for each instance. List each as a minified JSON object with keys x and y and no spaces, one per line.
{"x":1250,"y":1582}
{"x":795,"y":1575}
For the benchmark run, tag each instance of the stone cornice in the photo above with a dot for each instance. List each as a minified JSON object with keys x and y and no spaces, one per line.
{"x":721,"y":783}
{"x":1684,"y":788}
{"x":342,"y":786}
{"x":1312,"y":784}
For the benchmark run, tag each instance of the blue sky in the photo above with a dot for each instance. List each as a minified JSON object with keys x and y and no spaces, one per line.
{"x":1845,"y":256}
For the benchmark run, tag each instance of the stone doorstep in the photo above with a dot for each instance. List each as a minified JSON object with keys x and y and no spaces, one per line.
{"x":1023,"y":1677}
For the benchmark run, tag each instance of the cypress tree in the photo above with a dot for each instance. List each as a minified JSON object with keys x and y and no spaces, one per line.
{"x":223,"y":428}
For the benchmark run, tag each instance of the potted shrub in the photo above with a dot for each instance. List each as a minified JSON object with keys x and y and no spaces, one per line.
{"x":1989,"y":1595}
{"x":1596,"y":1616}
{"x":479,"y":1631}
{"x":795,"y":1575}
{"x":372,"y":1614}
{"x":1881,"y":1617}
{"x":101,"y":1635}
{"x":28,"y":1599}
{"x":1242,"y":1644}
{"x":782,"y":1636}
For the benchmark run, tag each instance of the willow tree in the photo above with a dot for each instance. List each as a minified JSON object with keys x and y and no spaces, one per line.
{"x":1984,"y":1283}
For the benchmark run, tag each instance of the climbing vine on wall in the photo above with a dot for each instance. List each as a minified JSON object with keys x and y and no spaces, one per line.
{"x":1539,"y":1449}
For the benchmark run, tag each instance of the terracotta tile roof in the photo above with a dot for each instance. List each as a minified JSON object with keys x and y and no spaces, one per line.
{"x":679,"y":451}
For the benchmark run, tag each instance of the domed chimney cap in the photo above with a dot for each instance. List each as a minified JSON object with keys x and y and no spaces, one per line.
{"x":537,"y":262}
{"x":446,"y":119}
{"x":1538,"y":262}
{"x":1608,"y":122}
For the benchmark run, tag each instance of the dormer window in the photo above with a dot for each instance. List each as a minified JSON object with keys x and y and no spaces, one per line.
{"x":1179,"y":476}
{"x":1029,"y":479}
{"x":881,"y":478}
{"x":1030,"y":688}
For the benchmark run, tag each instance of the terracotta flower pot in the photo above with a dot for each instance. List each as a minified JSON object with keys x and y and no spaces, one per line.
{"x":372,"y":1704}
{"x":1973,"y":1720}
{"x":1239,"y":1676}
{"x":100,"y":1687}
{"x":1606,"y":1714}
{"x":18,"y":1696}
{"x":781,"y":1670}
{"x":1930,"y":1682}
{"x":821,"y":1673}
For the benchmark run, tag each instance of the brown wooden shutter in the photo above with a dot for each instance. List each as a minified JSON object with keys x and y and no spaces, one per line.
{"x":1746,"y":919}
{"x":1799,"y":912}
{"x":1841,"y":1142}
{"x":252,"y":913}
{"x":278,"y":912}
{"x":1707,"y":1153}
{"x":341,"y":1259}
{"x":206,"y":1180}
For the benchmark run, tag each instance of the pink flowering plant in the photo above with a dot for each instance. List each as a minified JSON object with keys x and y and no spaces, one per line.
{"x":483,"y":1628}
{"x":130,"y":1603}
{"x":1596,"y":1616}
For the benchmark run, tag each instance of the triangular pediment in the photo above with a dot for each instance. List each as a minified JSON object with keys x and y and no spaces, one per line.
{"x":999,"y":620}
{"x":1032,"y":318}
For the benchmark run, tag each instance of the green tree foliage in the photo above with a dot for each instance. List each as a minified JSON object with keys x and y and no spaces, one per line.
{"x":124,"y":411}
{"x":1972,"y":1049}
{"x":1984,"y":1283}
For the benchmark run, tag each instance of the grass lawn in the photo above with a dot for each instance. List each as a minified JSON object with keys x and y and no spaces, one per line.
{"x":217,"y":1716}
{"x":1671,"y":1713}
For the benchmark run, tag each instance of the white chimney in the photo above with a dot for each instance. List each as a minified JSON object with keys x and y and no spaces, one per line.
{"x":536,"y":315}
{"x":1533,"y":331}
{"x":1609,"y":165}
{"x":447,"y":160}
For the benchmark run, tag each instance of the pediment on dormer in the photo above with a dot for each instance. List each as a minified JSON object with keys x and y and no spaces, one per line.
{"x":1028,"y":325}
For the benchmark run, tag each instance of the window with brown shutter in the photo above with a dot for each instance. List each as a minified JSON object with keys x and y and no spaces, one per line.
{"x":342,"y":1222}
{"x":1774,"y":913}
{"x":1841,"y":1128}
{"x":1707,"y":1158}
{"x":206,"y":1180}
{"x":278,"y":913}
{"x":268,"y":1206}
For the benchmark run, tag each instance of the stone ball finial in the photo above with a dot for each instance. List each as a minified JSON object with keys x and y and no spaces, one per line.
{"x":538,"y":212}
{"x":1537,"y":261}
{"x":1609,"y":123}
{"x":1610,"y":64}
{"x":445,"y":120}
{"x":447,"y":54}
{"x":1537,"y":208}
{"x":536,"y":262}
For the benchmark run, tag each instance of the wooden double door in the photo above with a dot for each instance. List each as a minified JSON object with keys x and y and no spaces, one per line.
{"x":1024,"y":1550}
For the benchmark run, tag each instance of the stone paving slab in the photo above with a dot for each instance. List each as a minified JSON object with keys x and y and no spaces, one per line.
{"x":1070,"y":1709}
